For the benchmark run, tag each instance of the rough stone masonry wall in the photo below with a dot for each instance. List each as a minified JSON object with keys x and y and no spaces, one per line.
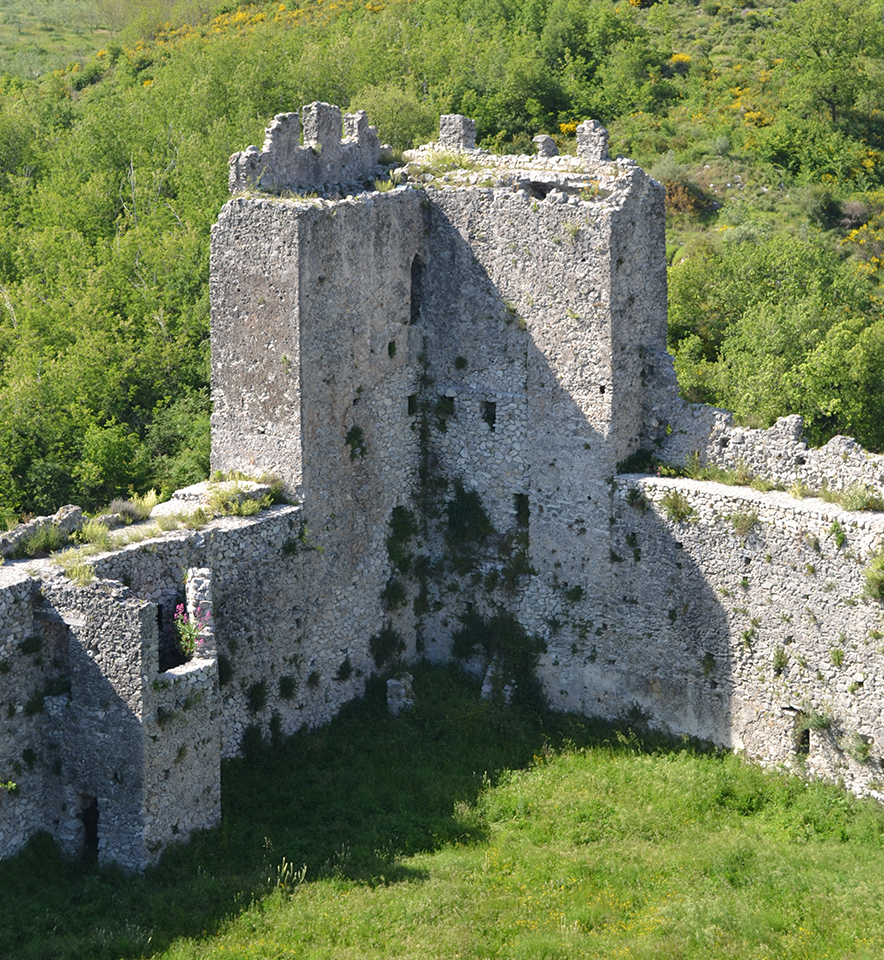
{"x":23,"y":674}
{"x":742,"y":622}
{"x":276,"y":649}
{"x":88,"y":716}
{"x":324,"y":159}
{"x":525,"y":299}
{"x":677,"y":431}
{"x":74,"y":701}
{"x":345,"y":310}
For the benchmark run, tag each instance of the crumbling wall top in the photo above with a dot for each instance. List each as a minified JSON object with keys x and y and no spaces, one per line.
{"x":324,"y":158}
{"x":592,"y":141}
{"x":457,"y":132}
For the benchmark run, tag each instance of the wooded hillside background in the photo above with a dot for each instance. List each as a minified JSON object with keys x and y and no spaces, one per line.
{"x":117,"y":119}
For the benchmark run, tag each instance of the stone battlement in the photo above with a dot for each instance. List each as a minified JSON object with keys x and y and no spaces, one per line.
{"x":283,"y":163}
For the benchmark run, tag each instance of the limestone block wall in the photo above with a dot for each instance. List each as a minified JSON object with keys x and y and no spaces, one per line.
{"x":350,"y":290}
{"x":678,"y":430}
{"x":285,"y":619}
{"x":108,"y":749}
{"x":111,"y":653}
{"x":182,"y":737}
{"x":256,"y":370}
{"x":534,"y":344}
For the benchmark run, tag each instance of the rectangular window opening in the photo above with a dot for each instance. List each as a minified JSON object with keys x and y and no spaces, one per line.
{"x":489,"y":412}
{"x":523,"y":511}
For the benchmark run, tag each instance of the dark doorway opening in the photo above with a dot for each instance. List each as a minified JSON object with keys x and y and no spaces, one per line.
{"x":89,"y":818}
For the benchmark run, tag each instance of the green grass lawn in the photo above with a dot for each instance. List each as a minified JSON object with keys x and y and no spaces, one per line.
{"x":466,"y":830}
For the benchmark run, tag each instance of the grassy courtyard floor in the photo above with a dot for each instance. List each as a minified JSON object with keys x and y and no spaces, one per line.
{"x":465,"y":830}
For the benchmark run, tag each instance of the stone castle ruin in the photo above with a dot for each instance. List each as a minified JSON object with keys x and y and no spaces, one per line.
{"x":450,"y":376}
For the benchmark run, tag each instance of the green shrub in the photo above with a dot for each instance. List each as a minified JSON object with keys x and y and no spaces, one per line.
{"x":95,"y":533}
{"x":44,"y":541}
{"x":31,"y":645}
{"x":780,"y":661}
{"x":837,"y":531}
{"x":75,"y":567}
{"x":677,"y":506}
{"x":385,"y":645}
{"x":403,"y":528}
{"x":225,"y":669}
{"x":394,"y":595}
{"x":468,"y":521}
{"x":257,"y":696}
{"x":860,"y":497}
{"x":874,"y":574}
{"x":743,"y":522}
{"x":355,"y":440}
{"x":345,"y":670}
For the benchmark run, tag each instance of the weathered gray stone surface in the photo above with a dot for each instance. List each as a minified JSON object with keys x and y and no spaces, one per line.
{"x":592,"y":141}
{"x":457,"y":132}
{"x":284,"y":164}
{"x":546,"y":146}
{"x":400,"y":694}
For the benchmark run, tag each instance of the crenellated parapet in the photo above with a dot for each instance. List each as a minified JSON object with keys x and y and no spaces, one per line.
{"x":284,"y":163}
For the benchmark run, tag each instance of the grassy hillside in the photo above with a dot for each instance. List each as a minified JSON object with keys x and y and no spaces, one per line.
{"x":41,"y":35}
{"x":466,"y":830}
{"x":762,"y":121}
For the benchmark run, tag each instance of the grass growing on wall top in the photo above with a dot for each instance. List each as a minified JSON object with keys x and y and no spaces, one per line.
{"x":419,"y":843}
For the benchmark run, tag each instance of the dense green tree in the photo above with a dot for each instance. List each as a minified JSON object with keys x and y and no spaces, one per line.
{"x":112,"y":171}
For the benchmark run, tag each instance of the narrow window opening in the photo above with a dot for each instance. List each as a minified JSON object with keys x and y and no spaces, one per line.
{"x":391,"y":349}
{"x":489,"y":413}
{"x":89,"y":818}
{"x":800,"y":731}
{"x":602,"y":389}
{"x":417,"y":288}
{"x":523,"y":511}
{"x":412,"y":405}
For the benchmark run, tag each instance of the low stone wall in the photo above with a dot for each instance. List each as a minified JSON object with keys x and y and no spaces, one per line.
{"x":182,"y":776}
{"x":740,"y":617}
{"x":778,"y":453}
{"x":107,"y":749}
